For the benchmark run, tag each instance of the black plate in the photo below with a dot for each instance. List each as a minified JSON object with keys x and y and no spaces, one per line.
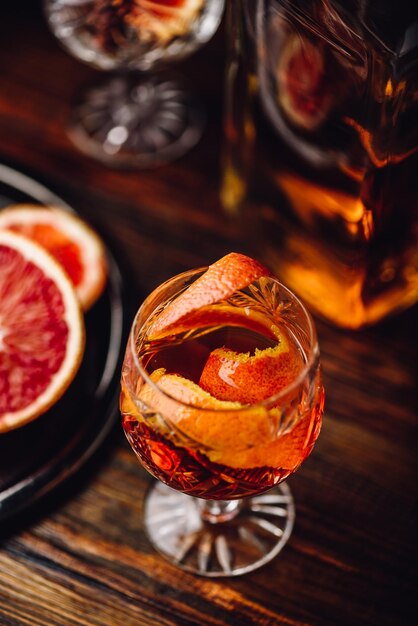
{"x":40,"y":455}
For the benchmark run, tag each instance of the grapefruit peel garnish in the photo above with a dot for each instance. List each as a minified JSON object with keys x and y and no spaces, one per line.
{"x":219,"y":282}
{"x":229,"y":418}
{"x":250,"y":379}
{"x":213,"y":316}
{"x":77,"y":248}
{"x":202,"y":417}
{"x":228,"y":433}
{"x":38,"y":306}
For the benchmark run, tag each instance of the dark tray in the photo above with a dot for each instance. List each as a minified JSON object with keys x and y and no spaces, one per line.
{"x":41,"y":455}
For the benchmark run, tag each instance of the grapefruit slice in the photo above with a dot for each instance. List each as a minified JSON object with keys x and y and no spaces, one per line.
{"x":164,"y":19}
{"x":41,"y":331}
{"x":220,"y":281}
{"x":67,"y":238}
{"x":248,"y":379}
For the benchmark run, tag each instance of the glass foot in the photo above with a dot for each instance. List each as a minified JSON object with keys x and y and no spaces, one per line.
{"x":132,"y":123}
{"x":187,"y":530}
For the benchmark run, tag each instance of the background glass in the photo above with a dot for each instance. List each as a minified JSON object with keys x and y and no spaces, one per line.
{"x":130,"y":120}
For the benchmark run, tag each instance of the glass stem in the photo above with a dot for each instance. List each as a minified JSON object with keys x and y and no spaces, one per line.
{"x":218,"y":511}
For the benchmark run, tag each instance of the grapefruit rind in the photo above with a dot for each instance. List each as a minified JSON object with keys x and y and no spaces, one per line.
{"x":73,"y":317}
{"x":22,"y":217}
{"x":213,"y":423}
{"x":228,"y":433}
{"x":220,"y":281}
{"x":219,"y":315}
{"x":251,"y":378}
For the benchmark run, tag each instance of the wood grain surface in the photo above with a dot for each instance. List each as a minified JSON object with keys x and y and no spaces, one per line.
{"x":80,"y":556}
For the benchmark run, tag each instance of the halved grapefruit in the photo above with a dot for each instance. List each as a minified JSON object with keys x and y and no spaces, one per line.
{"x":41,"y":331}
{"x":68,"y":239}
{"x":221,"y":280}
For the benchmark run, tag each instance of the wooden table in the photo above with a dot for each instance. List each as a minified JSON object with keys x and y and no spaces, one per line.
{"x":80,"y":556}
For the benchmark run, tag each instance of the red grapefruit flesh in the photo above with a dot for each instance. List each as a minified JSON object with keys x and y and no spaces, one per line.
{"x":41,"y":331}
{"x":69,"y":240}
{"x":220,"y":281}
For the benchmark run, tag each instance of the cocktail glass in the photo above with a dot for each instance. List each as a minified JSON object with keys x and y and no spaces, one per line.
{"x":220,"y":507}
{"x":137,"y":117}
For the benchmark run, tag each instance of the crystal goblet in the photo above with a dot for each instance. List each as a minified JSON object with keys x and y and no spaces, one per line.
{"x":191,"y":412}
